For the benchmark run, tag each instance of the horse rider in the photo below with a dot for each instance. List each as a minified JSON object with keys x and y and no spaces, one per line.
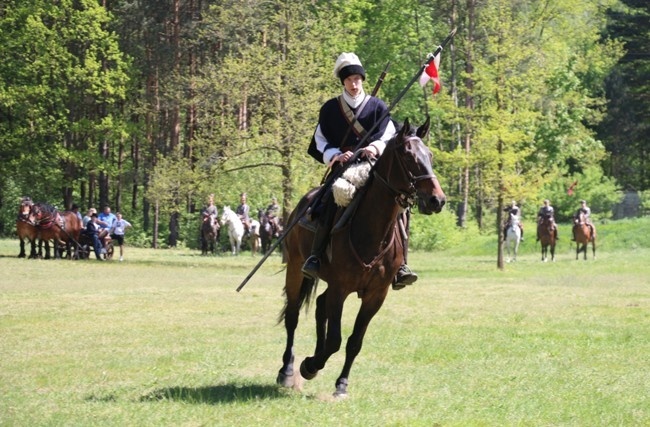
{"x":243,"y":211}
{"x":210,"y":212}
{"x":334,"y":141}
{"x":586,"y":211}
{"x":547,"y":211}
{"x":273,"y":214}
{"x":513,"y":209}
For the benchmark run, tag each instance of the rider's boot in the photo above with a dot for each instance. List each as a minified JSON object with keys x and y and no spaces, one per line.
{"x":405,"y":276}
{"x":522,"y":233}
{"x":311,"y":267}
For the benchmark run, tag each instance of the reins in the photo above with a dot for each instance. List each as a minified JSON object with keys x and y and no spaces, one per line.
{"x":405,"y":199}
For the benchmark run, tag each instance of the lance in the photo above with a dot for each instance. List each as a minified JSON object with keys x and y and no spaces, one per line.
{"x":339,"y":171}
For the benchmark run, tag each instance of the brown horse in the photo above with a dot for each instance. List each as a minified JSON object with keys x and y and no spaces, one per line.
{"x":209,"y":235}
{"x":25,"y":228}
{"x":584,"y":234}
{"x":547,"y":235}
{"x":365,"y":252}
{"x":267,"y":230}
{"x":63,"y":228}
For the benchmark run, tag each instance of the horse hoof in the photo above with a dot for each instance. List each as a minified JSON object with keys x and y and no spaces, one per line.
{"x":305,"y":373}
{"x":340,"y":395}
{"x":284,"y":380}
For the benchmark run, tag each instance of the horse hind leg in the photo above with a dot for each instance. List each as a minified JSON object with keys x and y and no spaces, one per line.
{"x":291,"y":313}
{"x":311,"y":365}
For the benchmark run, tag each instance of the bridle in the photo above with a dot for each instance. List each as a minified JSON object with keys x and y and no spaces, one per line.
{"x":404,"y":198}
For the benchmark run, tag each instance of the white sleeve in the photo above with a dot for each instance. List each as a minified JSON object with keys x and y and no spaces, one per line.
{"x":380,"y":144}
{"x":321,"y":143}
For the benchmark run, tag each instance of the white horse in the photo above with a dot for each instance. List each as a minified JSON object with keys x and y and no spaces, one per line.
{"x":513,"y":236}
{"x":236,"y":231}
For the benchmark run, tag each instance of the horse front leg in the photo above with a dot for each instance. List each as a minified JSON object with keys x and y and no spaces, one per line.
{"x":369,"y":307}
{"x":593,"y":248}
{"x":22,"y":253}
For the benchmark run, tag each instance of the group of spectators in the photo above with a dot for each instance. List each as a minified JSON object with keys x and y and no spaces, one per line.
{"x":102,"y":227}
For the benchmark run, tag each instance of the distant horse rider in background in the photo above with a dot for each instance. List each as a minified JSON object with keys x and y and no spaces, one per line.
{"x":273,"y":214}
{"x":243,"y":211}
{"x":211,"y":212}
{"x":513,"y":209}
{"x":547,"y":211}
{"x":586,"y":211}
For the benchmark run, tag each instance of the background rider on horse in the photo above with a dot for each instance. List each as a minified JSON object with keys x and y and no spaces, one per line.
{"x":586,"y":212}
{"x":273,"y":214}
{"x":210,"y":213}
{"x":243,"y":211}
{"x":513,"y":209}
{"x":546,"y":211}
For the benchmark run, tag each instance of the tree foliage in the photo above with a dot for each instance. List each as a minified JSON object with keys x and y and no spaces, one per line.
{"x":151,"y":106}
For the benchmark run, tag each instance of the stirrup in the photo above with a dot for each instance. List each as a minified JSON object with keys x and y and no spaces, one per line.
{"x":311,"y":267}
{"x":404,"y":277}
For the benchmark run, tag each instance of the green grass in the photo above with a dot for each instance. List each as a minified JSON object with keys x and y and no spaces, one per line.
{"x":164,"y":339}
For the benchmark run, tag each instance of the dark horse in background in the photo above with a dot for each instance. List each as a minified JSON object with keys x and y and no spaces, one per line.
{"x":547,"y":235}
{"x":268,"y":230}
{"x":584,"y":233}
{"x":26,"y":229}
{"x":209,"y":234}
{"x":364,"y":254}
{"x":62,"y":228}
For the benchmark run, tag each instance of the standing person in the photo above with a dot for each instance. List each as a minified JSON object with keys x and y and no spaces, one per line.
{"x":117,"y":232}
{"x":243,"y":211}
{"x":334,"y":142}
{"x":586,"y":211}
{"x":513,"y":209}
{"x":92,"y":231}
{"x":546,"y":211}
{"x":273,"y":214}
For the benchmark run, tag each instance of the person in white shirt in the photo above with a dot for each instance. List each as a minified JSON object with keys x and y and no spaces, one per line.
{"x":117,"y":232}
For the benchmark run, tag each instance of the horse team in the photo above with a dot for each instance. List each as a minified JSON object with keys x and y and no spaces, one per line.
{"x":42,"y":223}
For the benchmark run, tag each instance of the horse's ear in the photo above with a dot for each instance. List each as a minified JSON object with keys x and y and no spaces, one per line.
{"x":423,"y":130}
{"x":405,"y":129}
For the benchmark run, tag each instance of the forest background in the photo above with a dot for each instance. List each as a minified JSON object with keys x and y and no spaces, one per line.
{"x":150,"y":106}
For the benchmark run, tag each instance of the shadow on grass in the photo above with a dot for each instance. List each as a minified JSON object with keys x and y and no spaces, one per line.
{"x":225,"y":393}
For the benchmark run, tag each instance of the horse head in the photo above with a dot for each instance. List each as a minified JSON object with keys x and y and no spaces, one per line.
{"x":25,"y":208}
{"x":405,"y":168}
{"x":225,"y":215}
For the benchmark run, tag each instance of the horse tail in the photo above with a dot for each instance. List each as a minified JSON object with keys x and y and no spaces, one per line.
{"x":308,"y":289}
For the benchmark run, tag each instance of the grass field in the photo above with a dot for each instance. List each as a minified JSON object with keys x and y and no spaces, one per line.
{"x":163,"y":339}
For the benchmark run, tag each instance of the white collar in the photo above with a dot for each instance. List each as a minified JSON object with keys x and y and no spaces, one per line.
{"x":354,"y":102}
